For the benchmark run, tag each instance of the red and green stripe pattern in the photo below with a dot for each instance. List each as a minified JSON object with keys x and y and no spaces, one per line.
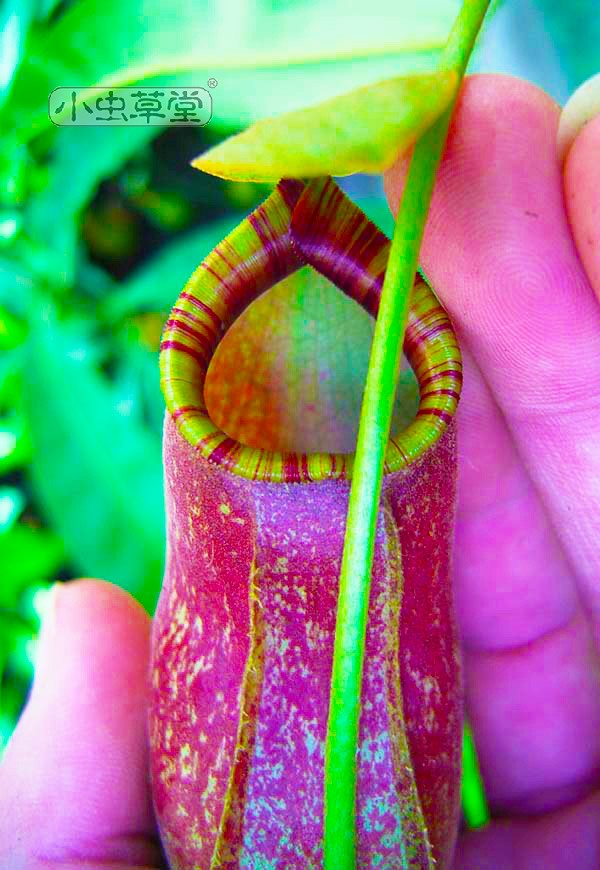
{"x":300,"y":225}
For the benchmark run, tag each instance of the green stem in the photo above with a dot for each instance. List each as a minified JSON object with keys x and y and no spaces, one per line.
{"x":474,"y":801}
{"x":373,"y":434}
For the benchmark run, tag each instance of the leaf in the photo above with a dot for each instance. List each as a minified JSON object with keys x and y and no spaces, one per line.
{"x":12,"y":502}
{"x":15,"y":285}
{"x":27,"y":555}
{"x":15,"y":18}
{"x":156,"y":285}
{"x":96,"y":473}
{"x":108,"y":43}
{"x":142,"y":367}
{"x":12,"y":330}
{"x":13,"y":172}
{"x":362,"y":131}
{"x":15,"y":445}
{"x":244,"y":97}
{"x":12,"y":701}
{"x":81,"y":159}
{"x":10,"y":382}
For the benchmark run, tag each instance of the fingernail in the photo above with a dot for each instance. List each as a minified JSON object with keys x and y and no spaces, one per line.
{"x":580,"y":108}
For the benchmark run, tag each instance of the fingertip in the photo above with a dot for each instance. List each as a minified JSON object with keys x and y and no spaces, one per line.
{"x":91,"y":596}
{"x":74,"y":778}
{"x":84,"y":616}
{"x":99,"y":606}
{"x":487,"y":104}
{"x":582,"y":198}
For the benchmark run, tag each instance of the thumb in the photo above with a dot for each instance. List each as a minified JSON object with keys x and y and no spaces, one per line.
{"x":73,"y":780}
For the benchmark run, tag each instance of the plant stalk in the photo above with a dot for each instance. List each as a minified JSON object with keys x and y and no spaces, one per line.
{"x":373,"y":434}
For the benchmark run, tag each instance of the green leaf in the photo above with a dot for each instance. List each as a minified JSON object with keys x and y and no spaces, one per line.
{"x":108,"y":43}
{"x":28,"y":263}
{"x":82,"y":158}
{"x":22,"y":653}
{"x":15,"y":445}
{"x":156,"y":285}
{"x":12,"y":502}
{"x":362,"y":131}
{"x":15,"y":18}
{"x":96,"y":473}
{"x":10,"y":381}
{"x":45,"y":8}
{"x":11,"y":702}
{"x":13,"y":172}
{"x":142,"y":368}
{"x":28,"y":555}
{"x":12,"y":330}
{"x":15,"y":285}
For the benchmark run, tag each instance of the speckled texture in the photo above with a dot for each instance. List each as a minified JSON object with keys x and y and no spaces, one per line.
{"x":242,"y":652}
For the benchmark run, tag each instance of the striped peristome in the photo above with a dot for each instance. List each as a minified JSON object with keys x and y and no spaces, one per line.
{"x":243,"y":635}
{"x":299,"y":225}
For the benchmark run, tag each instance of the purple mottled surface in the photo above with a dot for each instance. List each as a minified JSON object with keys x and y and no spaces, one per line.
{"x":242,"y":652}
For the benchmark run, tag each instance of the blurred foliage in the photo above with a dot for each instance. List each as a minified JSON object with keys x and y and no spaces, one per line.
{"x":100,"y":227}
{"x":573,"y":31}
{"x":333,"y":138}
{"x":111,"y":42}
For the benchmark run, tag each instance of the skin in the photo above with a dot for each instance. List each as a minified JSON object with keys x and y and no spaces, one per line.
{"x":513,"y":250}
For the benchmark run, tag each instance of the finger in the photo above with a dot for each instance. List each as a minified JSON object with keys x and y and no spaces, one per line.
{"x":499,"y":251}
{"x":530,"y":667}
{"x":73,"y":782}
{"x":535,"y":714}
{"x":582,"y":197}
{"x":569,"y":837}
{"x":503,"y":538}
{"x":486,"y":255}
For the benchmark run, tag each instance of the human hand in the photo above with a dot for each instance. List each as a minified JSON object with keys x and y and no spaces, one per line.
{"x":500,"y":253}
{"x":74,"y":782}
{"x":508,"y":244}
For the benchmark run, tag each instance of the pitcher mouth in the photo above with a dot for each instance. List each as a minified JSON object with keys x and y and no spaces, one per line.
{"x":276,"y":240}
